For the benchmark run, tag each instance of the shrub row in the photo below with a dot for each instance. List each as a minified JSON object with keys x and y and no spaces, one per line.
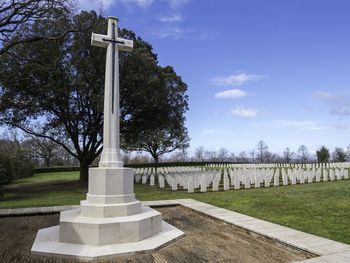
{"x":138,"y":165}
{"x":56,"y":169}
{"x":12,"y":168}
{"x":172,"y":164}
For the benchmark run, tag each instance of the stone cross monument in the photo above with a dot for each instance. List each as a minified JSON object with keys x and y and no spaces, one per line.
{"x":110,"y":222}
{"x":111,"y":152}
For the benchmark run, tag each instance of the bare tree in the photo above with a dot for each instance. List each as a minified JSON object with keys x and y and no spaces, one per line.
{"x":262,"y":151}
{"x":139,"y":157}
{"x":339,"y":155}
{"x":223,"y":154}
{"x":210,"y":156}
{"x":43,"y":148}
{"x":303,"y":154}
{"x":62,"y":157}
{"x":252,"y":156}
{"x":199,"y":154}
{"x":288,"y":155}
{"x":348,"y":153}
{"x":126,"y":156}
{"x":232,"y":157}
{"x":179,"y":156}
{"x":242,"y":157}
{"x":270,"y":157}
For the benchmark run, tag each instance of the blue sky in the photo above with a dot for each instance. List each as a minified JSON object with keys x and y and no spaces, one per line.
{"x":272,"y":70}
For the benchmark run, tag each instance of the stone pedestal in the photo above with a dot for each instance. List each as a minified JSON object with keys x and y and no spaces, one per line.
{"x":110,"y":222}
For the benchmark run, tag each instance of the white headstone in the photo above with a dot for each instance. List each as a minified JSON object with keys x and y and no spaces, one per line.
{"x":138,"y":178}
{"x":190,"y":185}
{"x":152,"y":180}
{"x":325,"y":175}
{"x":161,"y":181}
{"x":203,"y":183}
{"x":276,"y":178}
{"x":174,"y":183}
{"x":226,"y":183}
{"x":144,"y":178}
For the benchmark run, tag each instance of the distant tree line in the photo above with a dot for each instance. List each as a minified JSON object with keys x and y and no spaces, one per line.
{"x":262,"y":154}
{"x":259,"y":154}
{"x":20,"y":154}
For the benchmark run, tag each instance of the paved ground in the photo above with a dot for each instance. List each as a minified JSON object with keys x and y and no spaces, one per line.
{"x":206,"y":240}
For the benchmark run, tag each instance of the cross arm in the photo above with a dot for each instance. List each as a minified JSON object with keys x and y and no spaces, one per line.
{"x":97,"y":40}
{"x":126,"y":46}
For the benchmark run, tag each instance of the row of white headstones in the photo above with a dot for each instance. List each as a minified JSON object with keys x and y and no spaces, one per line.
{"x":286,"y":165}
{"x":240,"y":176}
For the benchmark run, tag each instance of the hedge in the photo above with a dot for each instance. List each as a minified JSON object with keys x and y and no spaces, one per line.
{"x":171,"y":164}
{"x":137,"y":165}
{"x":55,"y":169}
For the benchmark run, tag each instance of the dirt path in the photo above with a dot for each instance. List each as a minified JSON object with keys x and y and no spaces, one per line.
{"x":206,"y":240}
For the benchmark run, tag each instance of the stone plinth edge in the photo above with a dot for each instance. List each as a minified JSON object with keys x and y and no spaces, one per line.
{"x":77,"y":229}
{"x":47,"y":244}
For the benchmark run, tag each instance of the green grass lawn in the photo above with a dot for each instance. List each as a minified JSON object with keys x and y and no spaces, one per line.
{"x":322,"y":209}
{"x":45,"y":177}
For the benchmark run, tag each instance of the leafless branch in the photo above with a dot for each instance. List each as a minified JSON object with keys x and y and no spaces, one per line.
{"x":17,"y":13}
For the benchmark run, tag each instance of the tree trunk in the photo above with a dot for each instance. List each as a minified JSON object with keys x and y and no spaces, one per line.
{"x":156,"y":160}
{"x":84,"y":171}
{"x":47,"y":162}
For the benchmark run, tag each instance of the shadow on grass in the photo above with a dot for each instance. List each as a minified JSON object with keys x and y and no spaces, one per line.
{"x":21,"y":191}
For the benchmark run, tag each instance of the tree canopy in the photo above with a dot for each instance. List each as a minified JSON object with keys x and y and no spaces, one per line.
{"x":15,"y":15}
{"x":323,"y":155}
{"x":153,"y":116}
{"x":60,"y":84}
{"x":339,"y":155}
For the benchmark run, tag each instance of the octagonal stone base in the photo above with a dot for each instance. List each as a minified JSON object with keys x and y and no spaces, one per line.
{"x":47,"y":244}
{"x":109,"y":210}
{"x":78,"y":229}
{"x":109,"y":223}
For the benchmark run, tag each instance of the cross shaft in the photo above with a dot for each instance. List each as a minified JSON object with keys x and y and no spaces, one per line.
{"x":110,"y":156}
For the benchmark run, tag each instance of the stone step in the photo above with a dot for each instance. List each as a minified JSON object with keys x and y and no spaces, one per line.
{"x":109,"y":210}
{"x":78,"y":229}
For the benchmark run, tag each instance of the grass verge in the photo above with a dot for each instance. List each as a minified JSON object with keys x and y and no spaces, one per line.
{"x":322,"y":209}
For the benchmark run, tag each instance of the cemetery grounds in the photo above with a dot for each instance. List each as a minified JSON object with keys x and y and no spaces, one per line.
{"x":322,"y":209}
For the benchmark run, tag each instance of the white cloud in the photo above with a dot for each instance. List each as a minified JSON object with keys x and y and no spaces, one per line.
{"x":208,"y":131}
{"x":236,"y":79}
{"x":342,"y":127}
{"x":324,"y":96}
{"x":95,"y":4}
{"x":169,"y":31}
{"x":170,"y":19}
{"x":140,"y":3}
{"x":304,"y":125}
{"x":340,"y":112}
{"x":286,"y":123}
{"x":177,"y":3}
{"x":241,"y":111}
{"x":217,"y":131}
{"x":339,"y":106}
{"x":231,"y":94}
